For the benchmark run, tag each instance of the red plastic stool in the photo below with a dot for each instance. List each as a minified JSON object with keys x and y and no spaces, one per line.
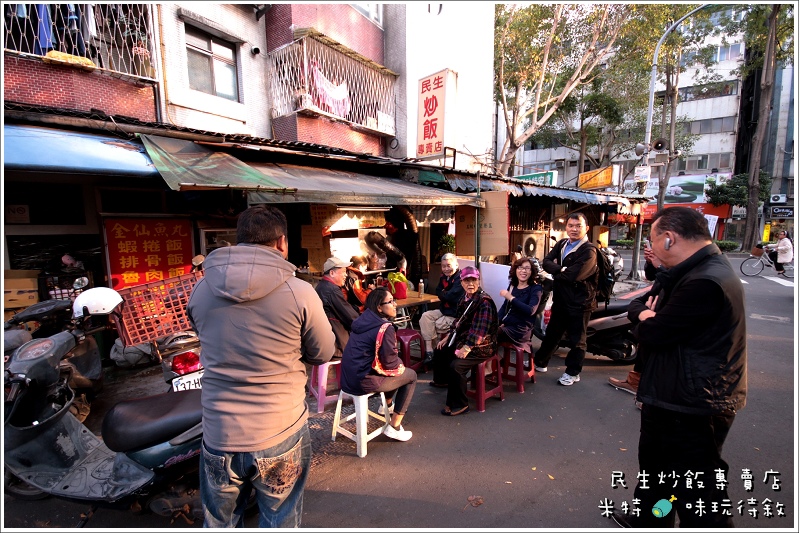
{"x":405,"y":337}
{"x":480,"y":392}
{"x":520,"y":374}
{"x":319,"y":383}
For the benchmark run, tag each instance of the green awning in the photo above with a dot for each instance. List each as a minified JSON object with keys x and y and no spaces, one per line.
{"x":186,"y":165}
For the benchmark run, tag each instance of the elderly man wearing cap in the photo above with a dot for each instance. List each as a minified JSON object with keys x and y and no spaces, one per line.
{"x":472,"y":338}
{"x":340,"y":313}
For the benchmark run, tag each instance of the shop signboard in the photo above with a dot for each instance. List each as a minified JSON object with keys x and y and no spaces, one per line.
{"x":142,"y":250}
{"x":781,"y":211}
{"x":599,"y":178}
{"x":540,"y":178}
{"x":721,"y":211}
{"x":432,"y":93}
{"x":687,"y":189}
{"x":493,"y":226}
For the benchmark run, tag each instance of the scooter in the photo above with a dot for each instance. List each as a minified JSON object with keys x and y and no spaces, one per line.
{"x":608,"y":332}
{"x":148,"y":456}
{"x":616,"y":260}
{"x":52,"y":317}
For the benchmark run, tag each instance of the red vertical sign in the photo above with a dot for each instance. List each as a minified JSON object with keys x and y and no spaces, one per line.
{"x":141,"y":250}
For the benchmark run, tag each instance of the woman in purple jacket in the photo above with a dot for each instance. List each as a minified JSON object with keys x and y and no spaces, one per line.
{"x":358,"y":376}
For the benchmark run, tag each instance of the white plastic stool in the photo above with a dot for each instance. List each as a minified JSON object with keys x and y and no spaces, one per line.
{"x":361,"y":414}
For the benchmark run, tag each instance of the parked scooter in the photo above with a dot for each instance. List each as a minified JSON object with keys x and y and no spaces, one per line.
{"x":84,"y":360}
{"x":148,"y":455}
{"x":616,"y":260}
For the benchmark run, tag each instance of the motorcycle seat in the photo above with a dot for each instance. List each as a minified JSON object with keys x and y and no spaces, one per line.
{"x":615,"y":307}
{"x":143,"y":422}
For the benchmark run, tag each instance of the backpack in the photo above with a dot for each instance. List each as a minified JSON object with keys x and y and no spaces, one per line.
{"x":605,"y":277}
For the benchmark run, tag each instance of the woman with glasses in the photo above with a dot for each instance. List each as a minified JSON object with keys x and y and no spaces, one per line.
{"x":521,"y":301}
{"x":781,"y":252}
{"x":358,"y":375}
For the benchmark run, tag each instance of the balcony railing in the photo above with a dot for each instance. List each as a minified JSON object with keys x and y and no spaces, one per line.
{"x":315,"y":75}
{"x":114,"y":37}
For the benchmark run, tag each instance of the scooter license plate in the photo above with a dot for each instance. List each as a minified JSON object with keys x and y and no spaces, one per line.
{"x":188,"y":382}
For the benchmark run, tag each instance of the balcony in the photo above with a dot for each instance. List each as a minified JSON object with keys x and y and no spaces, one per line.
{"x":116,"y":38}
{"x":317,"y":76}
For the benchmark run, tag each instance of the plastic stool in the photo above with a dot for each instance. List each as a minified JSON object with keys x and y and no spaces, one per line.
{"x":480,"y":393}
{"x":361,"y":414}
{"x":520,"y":374}
{"x":405,"y":337}
{"x":319,"y":383}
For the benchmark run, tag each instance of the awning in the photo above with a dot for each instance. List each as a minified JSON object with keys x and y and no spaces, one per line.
{"x":326,"y":186}
{"x":186,"y":165}
{"x":42,"y":149}
{"x":626,"y":203}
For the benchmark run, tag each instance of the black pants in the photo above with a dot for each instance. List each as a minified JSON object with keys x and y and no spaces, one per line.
{"x":674,"y":443}
{"x":447,"y":368}
{"x":573,"y":323}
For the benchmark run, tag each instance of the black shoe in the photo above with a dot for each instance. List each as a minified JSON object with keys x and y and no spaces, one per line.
{"x":620,"y":518}
{"x":428,"y":358}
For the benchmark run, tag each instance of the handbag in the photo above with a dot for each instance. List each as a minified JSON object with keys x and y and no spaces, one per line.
{"x":376,"y":363}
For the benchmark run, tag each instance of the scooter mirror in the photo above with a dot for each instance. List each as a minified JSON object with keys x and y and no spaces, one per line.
{"x":80,"y":283}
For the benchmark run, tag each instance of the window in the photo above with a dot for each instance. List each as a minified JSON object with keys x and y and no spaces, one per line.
{"x":706,"y":161}
{"x":374,"y":12}
{"x":212,"y":64}
{"x":715,"y":125}
{"x":730,"y":52}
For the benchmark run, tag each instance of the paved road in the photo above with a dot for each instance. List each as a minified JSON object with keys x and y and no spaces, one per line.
{"x":542,"y":459}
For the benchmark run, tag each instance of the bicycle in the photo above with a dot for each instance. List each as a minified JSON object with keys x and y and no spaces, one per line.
{"x":754,"y":265}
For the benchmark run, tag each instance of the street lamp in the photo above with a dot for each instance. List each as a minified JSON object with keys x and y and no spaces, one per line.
{"x":634,"y":274}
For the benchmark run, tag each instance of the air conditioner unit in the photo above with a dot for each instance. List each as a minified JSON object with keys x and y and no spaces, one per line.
{"x":560,"y":164}
{"x":777,"y":199}
{"x":534,"y":243}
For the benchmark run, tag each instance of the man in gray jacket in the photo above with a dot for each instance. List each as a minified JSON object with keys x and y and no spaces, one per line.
{"x":258,"y":325}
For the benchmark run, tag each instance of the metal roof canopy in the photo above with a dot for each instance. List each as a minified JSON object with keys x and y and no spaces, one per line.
{"x":326,"y":186}
{"x":626,"y":203}
{"x":42,"y":149}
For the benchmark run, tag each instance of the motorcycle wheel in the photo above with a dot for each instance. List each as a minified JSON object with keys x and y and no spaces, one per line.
{"x":20,"y":490}
{"x":629,"y":353}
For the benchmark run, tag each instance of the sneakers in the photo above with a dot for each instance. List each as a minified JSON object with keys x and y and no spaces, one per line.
{"x":568,"y":380}
{"x":397,"y":434}
{"x":382,"y":412}
{"x":540,"y":368}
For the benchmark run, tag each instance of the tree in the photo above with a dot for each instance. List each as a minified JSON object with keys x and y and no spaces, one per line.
{"x":736,"y":191}
{"x":543,"y":52}
{"x":769,"y":36}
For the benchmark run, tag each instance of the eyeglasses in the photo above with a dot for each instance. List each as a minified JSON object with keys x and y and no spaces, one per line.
{"x":523,"y":268}
{"x":393,"y":302}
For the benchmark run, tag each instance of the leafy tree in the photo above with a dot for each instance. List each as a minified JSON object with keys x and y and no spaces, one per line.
{"x":768,"y":31}
{"x":543,"y":52}
{"x":736,"y":191}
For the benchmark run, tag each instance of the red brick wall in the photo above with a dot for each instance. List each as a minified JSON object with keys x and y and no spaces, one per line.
{"x":338,"y":21}
{"x":31,"y":81}
{"x":320,"y":130}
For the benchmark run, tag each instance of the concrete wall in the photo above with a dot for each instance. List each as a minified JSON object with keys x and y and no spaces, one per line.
{"x":195,"y":109}
{"x":460,"y":37}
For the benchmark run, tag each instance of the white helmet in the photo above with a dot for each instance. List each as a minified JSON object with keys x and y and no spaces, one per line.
{"x":98,"y":301}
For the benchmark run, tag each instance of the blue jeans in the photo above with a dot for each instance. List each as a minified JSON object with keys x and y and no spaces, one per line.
{"x":277,"y":474}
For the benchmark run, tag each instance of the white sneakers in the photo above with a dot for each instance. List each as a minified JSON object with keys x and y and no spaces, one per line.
{"x":397,"y":434}
{"x":540,"y":368}
{"x":568,"y":380}
{"x":382,"y":412}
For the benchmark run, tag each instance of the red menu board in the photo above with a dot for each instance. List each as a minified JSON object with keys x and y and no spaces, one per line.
{"x":141,"y":250}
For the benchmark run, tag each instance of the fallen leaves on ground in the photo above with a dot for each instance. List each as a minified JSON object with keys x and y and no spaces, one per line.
{"x":474,"y":501}
{"x":551,"y":477}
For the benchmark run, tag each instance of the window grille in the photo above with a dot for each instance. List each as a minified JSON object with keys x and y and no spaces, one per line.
{"x":114,"y":37}
{"x":324,"y":78}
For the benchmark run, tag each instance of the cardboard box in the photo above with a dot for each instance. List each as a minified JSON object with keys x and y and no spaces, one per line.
{"x":20,"y":288}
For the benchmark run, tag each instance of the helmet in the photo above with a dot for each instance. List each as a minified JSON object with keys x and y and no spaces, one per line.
{"x":99,"y":301}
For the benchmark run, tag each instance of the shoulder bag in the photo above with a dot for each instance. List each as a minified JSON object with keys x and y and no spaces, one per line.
{"x":376,"y":363}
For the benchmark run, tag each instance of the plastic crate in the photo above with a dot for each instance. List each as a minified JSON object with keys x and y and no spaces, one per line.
{"x":155,"y":309}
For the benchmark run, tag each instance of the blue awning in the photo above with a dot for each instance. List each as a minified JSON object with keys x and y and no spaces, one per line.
{"x":43,"y":149}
